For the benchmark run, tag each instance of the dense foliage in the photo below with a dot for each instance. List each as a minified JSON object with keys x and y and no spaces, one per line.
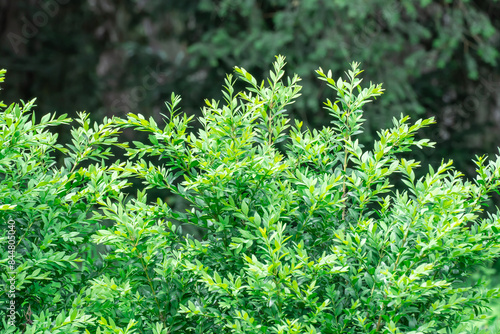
{"x":303,"y":230}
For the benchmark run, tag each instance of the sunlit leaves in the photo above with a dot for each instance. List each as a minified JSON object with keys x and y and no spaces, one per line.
{"x":299,"y":230}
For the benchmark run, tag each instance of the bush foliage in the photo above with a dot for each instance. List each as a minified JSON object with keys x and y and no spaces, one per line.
{"x":304,"y":231}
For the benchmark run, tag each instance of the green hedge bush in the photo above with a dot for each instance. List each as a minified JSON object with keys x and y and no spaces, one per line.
{"x":302,"y":231}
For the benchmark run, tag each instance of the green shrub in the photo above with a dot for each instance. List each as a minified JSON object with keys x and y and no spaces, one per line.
{"x":303,"y":231}
{"x":49,"y":207}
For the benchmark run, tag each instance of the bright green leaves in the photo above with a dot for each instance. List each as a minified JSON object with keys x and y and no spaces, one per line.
{"x":51,"y":208}
{"x":488,"y":178}
{"x":347,"y":118}
{"x":272,"y":101}
{"x":318,"y":235}
{"x":2,"y":78}
{"x":89,"y":141}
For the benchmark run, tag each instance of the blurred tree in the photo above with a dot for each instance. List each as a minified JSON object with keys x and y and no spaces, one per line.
{"x":112,"y":57}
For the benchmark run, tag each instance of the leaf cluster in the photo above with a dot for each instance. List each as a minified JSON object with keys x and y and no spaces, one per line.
{"x":304,"y":231}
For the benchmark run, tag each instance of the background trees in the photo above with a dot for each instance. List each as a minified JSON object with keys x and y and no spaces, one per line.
{"x":112,"y":57}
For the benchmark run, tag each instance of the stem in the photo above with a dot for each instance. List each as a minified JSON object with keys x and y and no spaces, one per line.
{"x":379,"y":322}
{"x":144,"y":267}
{"x":270,"y":126}
{"x":344,"y":194}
